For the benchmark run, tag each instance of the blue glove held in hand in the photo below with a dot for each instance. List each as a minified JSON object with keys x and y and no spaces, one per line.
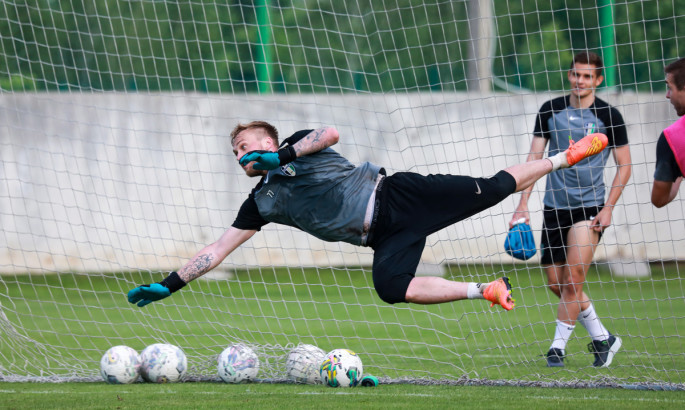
{"x":145,"y":294}
{"x":268,"y":160}
{"x":520,"y":242}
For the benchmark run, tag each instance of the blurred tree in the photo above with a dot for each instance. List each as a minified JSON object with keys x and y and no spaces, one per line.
{"x":320,"y":45}
{"x":646,"y":35}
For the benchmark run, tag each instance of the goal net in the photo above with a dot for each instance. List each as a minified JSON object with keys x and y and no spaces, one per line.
{"x":116,"y":167}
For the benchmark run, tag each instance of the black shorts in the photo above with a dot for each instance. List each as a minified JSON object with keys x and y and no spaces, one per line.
{"x":555,"y":227}
{"x":413,"y":206}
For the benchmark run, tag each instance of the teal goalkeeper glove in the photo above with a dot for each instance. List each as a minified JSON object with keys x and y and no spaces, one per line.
{"x":145,"y":294}
{"x":268,"y":160}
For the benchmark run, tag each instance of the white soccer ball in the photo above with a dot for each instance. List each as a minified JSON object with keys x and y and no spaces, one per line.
{"x":120,"y":365}
{"x":163,"y":363}
{"x":303,"y":364}
{"x":341,"y":368}
{"x":237,"y":363}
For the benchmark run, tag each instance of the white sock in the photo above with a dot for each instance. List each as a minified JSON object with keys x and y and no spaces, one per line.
{"x":558,"y":161}
{"x":589,"y":319}
{"x":561,"y":335}
{"x":475,"y":290}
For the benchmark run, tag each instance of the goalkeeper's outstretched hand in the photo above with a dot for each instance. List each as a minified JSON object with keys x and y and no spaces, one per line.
{"x":145,"y":294}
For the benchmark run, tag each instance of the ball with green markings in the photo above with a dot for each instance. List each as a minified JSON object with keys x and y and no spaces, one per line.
{"x":341,"y":368}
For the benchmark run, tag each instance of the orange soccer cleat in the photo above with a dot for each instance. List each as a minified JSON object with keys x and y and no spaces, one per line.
{"x":588,"y":146}
{"x":499,"y":293}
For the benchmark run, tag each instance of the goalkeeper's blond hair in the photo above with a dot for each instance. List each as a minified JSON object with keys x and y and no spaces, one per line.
{"x":271,"y":131}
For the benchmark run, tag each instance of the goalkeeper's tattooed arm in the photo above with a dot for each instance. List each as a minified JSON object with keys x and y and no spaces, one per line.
{"x":204,"y":261}
{"x":212,"y":255}
{"x":197,"y":267}
{"x":316,"y":140}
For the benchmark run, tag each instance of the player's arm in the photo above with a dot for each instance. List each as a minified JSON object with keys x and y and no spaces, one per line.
{"x":623,"y":172}
{"x":667,"y":174}
{"x":212,"y":255}
{"x":537,"y":151}
{"x":663,"y":192}
{"x":314,"y":141}
{"x":317,"y":140}
{"x":204,"y":261}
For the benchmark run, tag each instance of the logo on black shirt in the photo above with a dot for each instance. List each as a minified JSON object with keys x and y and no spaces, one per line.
{"x":288,"y":169}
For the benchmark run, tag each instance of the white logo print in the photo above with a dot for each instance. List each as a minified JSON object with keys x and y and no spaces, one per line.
{"x":573,"y":117}
{"x":478,"y":190}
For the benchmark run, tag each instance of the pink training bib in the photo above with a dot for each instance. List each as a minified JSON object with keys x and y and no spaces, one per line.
{"x":675,"y":135}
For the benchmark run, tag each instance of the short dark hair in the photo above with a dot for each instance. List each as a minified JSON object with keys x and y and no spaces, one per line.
{"x":677,"y":71}
{"x":588,"y":57}
{"x":270,"y":129}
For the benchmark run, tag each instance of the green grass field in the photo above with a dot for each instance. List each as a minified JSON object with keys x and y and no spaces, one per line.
{"x":69,"y":320}
{"x":284,"y":396}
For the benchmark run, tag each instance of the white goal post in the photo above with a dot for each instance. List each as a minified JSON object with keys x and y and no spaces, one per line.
{"x":116,"y":167}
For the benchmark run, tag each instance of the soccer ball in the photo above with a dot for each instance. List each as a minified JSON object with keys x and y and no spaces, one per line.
{"x":163,"y":363}
{"x":237,"y":363}
{"x":120,"y":365}
{"x":303,"y":364}
{"x":341,"y":368}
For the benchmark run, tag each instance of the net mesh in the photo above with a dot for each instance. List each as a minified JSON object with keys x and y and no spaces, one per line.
{"x":116,"y":167}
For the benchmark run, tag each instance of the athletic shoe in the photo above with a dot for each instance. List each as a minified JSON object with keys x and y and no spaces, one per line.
{"x":588,"y":146}
{"x":499,"y":293}
{"x":555,"y":357}
{"x":604,"y":350}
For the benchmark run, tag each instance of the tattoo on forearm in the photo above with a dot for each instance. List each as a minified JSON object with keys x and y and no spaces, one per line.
{"x":312,"y":141}
{"x":317,"y":134}
{"x":196,"y":268}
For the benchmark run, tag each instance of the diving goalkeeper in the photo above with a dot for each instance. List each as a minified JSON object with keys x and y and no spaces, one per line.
{"x":308,"y":185}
